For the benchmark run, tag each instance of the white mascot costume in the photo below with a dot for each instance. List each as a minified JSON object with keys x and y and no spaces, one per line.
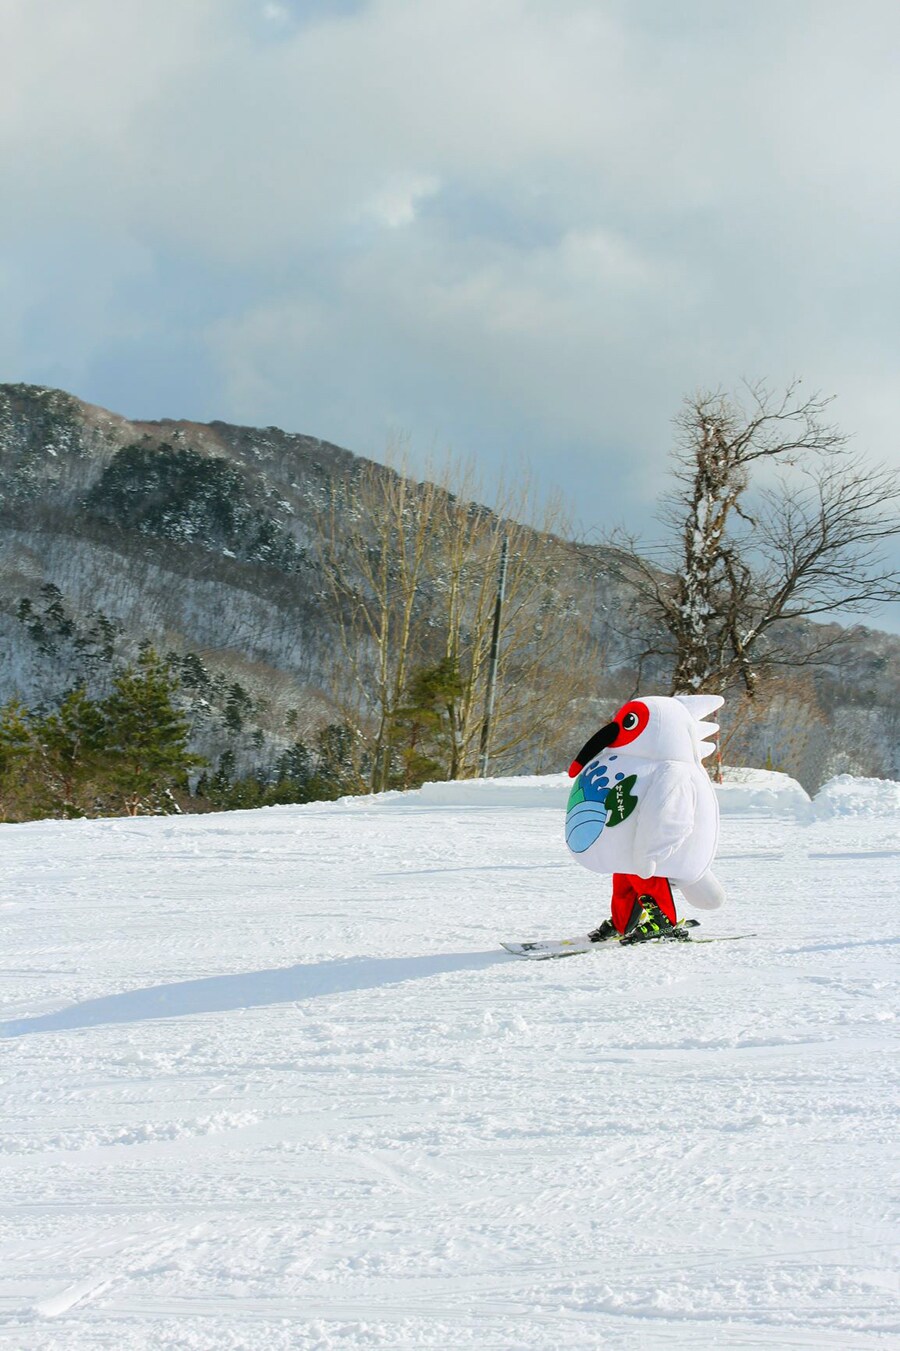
{"x":643,"y":806}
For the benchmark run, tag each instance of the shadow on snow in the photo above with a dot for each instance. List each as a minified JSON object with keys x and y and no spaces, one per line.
{"x":251,"y":990}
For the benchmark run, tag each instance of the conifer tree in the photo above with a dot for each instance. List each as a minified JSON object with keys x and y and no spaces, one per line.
{"x":72,"y":745}
{"x":338,"y":767}
{"x":422,"y":729}
{"x":15,"y":734}
{"x":17,"y":754}
{"x":147,"y":736}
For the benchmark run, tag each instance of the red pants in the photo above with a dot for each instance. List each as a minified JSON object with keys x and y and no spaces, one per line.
{"x":627,"y":889}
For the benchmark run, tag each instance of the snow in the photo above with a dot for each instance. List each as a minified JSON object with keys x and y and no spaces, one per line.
{"x":761,"y":792}
{"x":523,"y":790}
{"x":745,"y":791}
{"x":267,"y":1081}
{"x":847,"y":796}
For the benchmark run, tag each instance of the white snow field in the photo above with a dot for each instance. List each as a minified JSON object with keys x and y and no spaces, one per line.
{"x":268,"y":1081}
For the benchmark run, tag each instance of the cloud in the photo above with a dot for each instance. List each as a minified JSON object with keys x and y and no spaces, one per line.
{"x":397,"y":203}
{"x":495,"y":223}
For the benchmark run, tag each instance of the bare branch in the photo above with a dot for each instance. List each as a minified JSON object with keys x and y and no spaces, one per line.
{"x":807,"y":547}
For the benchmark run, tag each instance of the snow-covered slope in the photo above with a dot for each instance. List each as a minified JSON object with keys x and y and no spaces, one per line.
{"x":267,"y":1081}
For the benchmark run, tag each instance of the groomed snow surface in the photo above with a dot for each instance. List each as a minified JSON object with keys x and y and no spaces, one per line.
{"x":267,"y":1081}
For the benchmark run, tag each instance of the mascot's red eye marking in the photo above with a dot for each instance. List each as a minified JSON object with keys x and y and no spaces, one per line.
{"x":632,"y":718}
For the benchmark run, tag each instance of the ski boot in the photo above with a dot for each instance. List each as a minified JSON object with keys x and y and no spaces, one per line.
{"x":655,"y":925}
{"x":604,"y":933}
{"x":608,"y":930}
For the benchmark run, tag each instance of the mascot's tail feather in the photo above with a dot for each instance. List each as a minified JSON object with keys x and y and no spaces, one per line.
{"x":707,"y":893}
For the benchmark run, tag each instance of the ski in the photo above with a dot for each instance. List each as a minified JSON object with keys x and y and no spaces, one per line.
{"x":571,"y":947}
{"x":722,"y":938}
{"x":542,"y":952}
{"x":550,"y":950}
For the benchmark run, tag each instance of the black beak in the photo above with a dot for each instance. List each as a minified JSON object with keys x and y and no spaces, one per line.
{"x":598,"y":742}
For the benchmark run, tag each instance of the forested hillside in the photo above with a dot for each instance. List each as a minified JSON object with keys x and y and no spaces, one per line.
{"x":316,"y":610}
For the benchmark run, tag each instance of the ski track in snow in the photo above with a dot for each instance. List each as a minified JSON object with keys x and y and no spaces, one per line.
{"x":268,"y":1082}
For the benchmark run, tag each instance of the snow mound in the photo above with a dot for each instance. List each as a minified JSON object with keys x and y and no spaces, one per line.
{"x":744,"y":792}
{"x":523,"y":790}
{"x":762,"y":792}
{"x":849,"y":796}
{"x":756,"y":792}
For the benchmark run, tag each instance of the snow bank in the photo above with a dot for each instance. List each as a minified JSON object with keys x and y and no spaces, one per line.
{"x":523,"y":790}
{"x":757,"y":792}
{"x":745,"y":792}
{"x":848,"y":796}
{"x":762,"y":792}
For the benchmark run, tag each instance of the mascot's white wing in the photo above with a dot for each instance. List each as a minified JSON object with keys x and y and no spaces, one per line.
{"x":667,"y":812}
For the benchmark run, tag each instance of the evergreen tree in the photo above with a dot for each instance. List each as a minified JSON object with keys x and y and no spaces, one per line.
{"x":147,"y":736}
{"x":72,"y":745}
{"x":338,"y":770}
{"x":238,"y":707}
{"x":224,"y":791}
{"x":15,"y":734}
{"x":421,"y":734}
{"x":19,"y":785}
{"x":296,"y":763}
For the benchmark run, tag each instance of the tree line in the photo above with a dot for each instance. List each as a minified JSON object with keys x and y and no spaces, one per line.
{"x":130,"y":751}
{"x":124,"y":753}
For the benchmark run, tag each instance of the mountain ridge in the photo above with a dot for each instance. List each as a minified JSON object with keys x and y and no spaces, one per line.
{"x":202,"y":538}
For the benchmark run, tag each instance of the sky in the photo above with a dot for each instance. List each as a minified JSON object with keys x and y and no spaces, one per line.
{"x":518,"y":230}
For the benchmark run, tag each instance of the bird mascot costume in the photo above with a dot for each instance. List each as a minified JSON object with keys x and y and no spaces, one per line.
{"x":643,"y":808}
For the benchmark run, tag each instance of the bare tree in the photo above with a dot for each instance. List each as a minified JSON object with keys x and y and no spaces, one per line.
{"x":375,"y":539}
{"x":744,"y":557}
{"x":412,"y":572}
{"x":539,"y":673}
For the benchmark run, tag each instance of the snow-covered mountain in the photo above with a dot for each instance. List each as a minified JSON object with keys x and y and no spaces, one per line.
{"x":194,"y":537}
{"x":199,"y":538}
{"x":268,"y":1082}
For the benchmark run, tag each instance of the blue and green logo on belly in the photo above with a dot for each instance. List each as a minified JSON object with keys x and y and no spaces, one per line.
{"x":599,"y":798}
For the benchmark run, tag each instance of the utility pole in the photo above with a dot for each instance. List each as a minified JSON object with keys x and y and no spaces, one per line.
{"x":492,"y":663}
